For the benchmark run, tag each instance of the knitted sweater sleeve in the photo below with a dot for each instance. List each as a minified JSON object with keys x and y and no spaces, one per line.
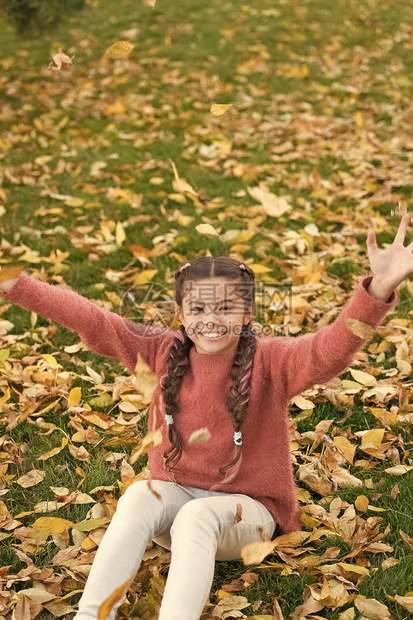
{"x":102,"y":331}
{"x":303,"y":361}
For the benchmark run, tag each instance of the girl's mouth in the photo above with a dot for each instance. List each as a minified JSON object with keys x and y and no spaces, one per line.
{"x":213,"y":337}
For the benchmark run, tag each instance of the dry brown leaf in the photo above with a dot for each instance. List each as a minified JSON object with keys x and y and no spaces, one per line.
{"x":31,"y":478}
{"x":405,"y":601}
{"x":372,"y":608}
{"x":398,"y":470}
{"x":407,"y":540}
{"x":62,"y":61}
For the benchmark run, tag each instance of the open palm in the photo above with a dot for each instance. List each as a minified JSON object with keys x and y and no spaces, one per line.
{"x":391,"y":266}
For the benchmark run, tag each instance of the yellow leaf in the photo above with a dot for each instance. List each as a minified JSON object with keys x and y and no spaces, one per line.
{"x":374,"y":436}
{"x":75,"y":395}
{"x":52,"y":361}
{"x":360,"y":329}
{"x":363,"y":377}
{"x":206,"y":229}
{"x":258,"y":268}
{"x":120,"y":49}
{"x":145,"y":380}
{"x":48,"y":455}
{"x":345,"y":448}
{"x":115,"y":108}
{"x":361,"y":503}
{"x":220,"y":594}
{"x":120,"y":235}
{"x":359,"y":119}
{"x":53,"y":525}
{"x":217,"y":109}
{"x":145,"y":276}
{"x":153,"y":438}
{"x":10,"y":273}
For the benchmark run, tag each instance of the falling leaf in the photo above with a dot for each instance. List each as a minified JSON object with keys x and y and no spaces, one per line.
{"x":218,"y":109}
{"x":200,"y":436}
{"x":120,"y":49}
{"x":106,"y":607}
{"x":10,"y":273}
{"x":360,"y":329}
{"x":61,"y":60}
{"x":145,"y":380}
{"x":153,"y":438}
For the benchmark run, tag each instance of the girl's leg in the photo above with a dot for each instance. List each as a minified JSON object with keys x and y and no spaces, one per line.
{"x":139,"y":516}
{"x":205,"y":530}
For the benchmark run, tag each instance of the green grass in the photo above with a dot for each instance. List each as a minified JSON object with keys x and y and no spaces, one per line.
{"x":359,"y":60}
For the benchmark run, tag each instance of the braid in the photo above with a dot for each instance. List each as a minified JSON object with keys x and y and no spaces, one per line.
{"x":170,"y":386}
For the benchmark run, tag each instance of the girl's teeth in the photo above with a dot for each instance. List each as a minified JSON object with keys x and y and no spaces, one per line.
{"x":214,"y":337}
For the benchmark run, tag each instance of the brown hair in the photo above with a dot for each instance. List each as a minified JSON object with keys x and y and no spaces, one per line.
{"x":241,"y":370}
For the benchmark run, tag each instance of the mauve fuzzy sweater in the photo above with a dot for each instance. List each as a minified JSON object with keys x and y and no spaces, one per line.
{"x":283,"y":367}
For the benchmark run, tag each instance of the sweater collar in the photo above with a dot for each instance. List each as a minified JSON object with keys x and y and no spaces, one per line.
{"x":211,"y":364}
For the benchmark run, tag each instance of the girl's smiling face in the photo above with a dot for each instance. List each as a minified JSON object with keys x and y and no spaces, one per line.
{"x":214,"y":305}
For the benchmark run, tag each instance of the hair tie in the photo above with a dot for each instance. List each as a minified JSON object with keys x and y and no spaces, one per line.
{"x":184,"y":266}
{"x":169,"y":419}
{"x":238,"y":435}
{"x":242,"y":266}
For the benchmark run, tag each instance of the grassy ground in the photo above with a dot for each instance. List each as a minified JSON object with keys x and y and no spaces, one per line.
{"x":316,"y":85}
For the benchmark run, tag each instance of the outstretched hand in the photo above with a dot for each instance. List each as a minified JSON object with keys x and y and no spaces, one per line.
{"x":393,"y":265}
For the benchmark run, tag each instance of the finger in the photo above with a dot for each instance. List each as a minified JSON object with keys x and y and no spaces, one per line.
{"x":401,"y":232}
{"x":371,"y":242}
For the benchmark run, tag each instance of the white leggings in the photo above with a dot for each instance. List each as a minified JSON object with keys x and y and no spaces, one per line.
{"x":196,"y":525}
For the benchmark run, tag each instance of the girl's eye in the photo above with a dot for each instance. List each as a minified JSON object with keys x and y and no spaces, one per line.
{"x":196,"y":308}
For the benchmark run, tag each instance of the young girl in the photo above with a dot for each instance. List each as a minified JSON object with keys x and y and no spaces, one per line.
{"x":233,"y":383}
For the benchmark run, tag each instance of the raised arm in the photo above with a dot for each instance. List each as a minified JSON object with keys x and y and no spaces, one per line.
{"x":303,"y":361}
{"x":102,"y":331}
